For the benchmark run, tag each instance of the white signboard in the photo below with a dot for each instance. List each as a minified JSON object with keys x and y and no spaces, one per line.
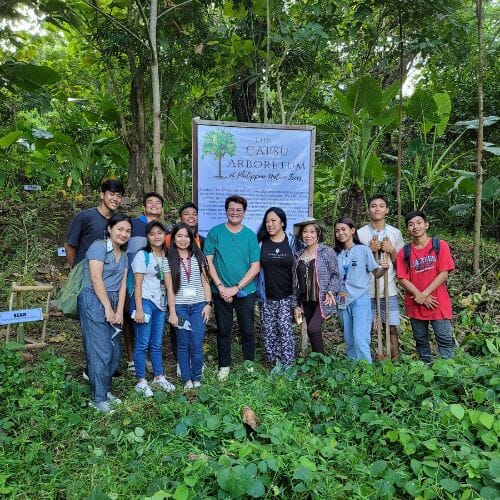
{"x":21,"y":316}
{"x":269,"y":165}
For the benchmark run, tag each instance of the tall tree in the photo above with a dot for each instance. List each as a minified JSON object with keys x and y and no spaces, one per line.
{"x":479,"y":153}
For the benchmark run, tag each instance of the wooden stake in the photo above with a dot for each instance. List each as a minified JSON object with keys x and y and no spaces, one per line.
{"x":378,"y":322}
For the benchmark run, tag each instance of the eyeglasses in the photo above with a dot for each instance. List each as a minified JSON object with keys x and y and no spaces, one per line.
{"x":235,"y":210}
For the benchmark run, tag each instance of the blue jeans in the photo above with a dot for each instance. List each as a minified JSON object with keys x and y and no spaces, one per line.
{"x":190,"y":344}
{"x":149,"y":336}
{"x":244,"y":307}
{"x":101,"y":350}
{"x":442,"y":331}
{"x":356,"y":322}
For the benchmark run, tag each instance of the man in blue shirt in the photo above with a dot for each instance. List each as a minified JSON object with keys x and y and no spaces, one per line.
{"x":153,"y":210}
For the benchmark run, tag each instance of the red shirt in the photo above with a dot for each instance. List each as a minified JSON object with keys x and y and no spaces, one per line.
{"x":425,"y":265}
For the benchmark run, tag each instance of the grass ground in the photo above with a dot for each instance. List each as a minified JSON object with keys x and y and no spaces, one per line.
{"x":328,"y":428}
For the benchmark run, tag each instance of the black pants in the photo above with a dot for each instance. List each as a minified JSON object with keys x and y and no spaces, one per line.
{"x":244,"y":308}
{"x":312,"y":314}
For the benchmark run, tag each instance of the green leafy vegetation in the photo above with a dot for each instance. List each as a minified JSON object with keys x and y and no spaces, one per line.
{"x":329,"y":429}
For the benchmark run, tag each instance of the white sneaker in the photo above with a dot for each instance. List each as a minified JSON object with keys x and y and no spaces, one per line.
{"x":144,"y":389}
{"x":178,"y":371}
{"x":188,"y":385}
{"x":163,"y":384}
{"x":102,"y":406}
{"x":112,"y":399}
{"x":223,"y":373}
{"x":196,"y":384}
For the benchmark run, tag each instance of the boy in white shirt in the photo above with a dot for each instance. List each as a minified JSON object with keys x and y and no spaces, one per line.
{"x":382,"y":237}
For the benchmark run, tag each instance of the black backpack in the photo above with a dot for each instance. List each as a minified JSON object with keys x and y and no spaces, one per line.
{"x":436,"y":245}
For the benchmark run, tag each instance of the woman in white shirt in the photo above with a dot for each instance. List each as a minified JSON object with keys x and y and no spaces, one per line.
{"x":150,"y":268}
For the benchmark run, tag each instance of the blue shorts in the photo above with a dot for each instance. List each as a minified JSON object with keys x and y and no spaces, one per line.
{"x":394,"y":319}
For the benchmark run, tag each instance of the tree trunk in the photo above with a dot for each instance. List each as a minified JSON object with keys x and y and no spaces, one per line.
{"x":155,"y":84}
{"x":479,"y":153}
{"x":400,"y":118}
{"x":138,"y":176}
{"x":354,"y":206}
{"x":244,"y":99}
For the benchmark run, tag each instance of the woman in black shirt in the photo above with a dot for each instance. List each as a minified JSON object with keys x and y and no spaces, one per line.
{"x":275,"y":289}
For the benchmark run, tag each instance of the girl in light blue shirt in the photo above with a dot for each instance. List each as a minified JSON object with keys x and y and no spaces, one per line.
{"x":355,"y":262}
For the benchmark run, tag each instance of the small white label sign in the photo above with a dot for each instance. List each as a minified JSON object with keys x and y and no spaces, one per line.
{"x":32,"y":187}
{"x":61,"y":252}
{"x":21,"y":316}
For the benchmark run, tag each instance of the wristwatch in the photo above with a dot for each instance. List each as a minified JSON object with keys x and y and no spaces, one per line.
{"x":238,"y":286}
{"x":210,"y":303}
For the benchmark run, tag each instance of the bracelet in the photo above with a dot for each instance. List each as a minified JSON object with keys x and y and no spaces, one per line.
{"x":209,"y":303}
{"x":238,"y":286}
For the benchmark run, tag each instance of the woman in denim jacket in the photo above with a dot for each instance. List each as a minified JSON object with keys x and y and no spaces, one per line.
{"x":316,"y":279}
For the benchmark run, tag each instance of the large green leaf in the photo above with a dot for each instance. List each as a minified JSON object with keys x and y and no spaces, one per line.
{"x":388,"y":118}
{"x":374,"y":168}
{"x":28,"y":76}
{"x":443,"y":103}
{"x":422,"y":107}
{"x":365,"y":94}
{"x":390,"y":93}
{"x":10,"y":138}
{"x":491,"y":148}
{"x":491,"y":189}
{"x":235,"y":11}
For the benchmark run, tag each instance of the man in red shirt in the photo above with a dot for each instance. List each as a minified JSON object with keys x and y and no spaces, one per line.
{"x":424,"y":279}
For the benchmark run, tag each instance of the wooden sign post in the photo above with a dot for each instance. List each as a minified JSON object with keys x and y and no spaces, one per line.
{"x":22,"y":316}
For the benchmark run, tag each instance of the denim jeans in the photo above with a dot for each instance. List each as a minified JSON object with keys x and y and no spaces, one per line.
{"x":101,"y":350}
{"x":356,"y":322}
{"x":149,"y":336}
{"x":442,"y":331}
{"x":190,"y":343}
{"x":244,"y":307}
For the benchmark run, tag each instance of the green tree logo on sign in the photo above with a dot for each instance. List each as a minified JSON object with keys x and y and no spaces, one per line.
{"x":219,"y":143}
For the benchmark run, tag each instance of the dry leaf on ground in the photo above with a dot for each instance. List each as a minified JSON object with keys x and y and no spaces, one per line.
{"x":250,"y":418}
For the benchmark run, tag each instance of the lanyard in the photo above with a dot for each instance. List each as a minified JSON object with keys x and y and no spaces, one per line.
{"x":384,"y":232}
{"x":346,"y":262}
{"x":188,"y":269}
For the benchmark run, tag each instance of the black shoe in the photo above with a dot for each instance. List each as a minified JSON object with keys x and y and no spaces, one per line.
{"x":117,"y":373}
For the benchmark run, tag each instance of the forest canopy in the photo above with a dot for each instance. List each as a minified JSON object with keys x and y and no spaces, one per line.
{"x":98,"y":89}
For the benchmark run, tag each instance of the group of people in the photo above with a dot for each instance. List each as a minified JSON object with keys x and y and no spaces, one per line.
{"x":138,"y":274}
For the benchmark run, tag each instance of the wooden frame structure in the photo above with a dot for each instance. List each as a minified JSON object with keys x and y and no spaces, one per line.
{"x":16,"y":297}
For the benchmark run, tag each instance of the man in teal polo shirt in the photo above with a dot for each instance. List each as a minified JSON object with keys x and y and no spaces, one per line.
{"x":233,"y":256}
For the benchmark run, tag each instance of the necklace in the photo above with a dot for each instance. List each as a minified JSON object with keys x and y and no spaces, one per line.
{"x":308,"y":256}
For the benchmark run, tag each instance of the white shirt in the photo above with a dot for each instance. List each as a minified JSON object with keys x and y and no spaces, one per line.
{"x":366,"y":234}
{"x":153,"y":287}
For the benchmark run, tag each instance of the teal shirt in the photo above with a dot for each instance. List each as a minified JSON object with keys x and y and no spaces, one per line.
{"x":233,"y":253}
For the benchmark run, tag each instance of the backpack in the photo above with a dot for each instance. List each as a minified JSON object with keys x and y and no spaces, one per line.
{"x":67,"y":300}
{"x":436,"y":245}
{"x":130,"y":275}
